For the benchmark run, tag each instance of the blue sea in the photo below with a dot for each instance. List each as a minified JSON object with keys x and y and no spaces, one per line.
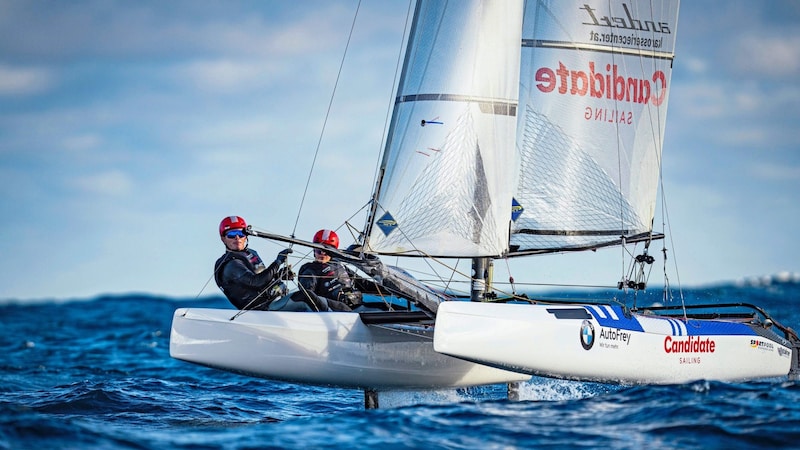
{"x":96,"y":374}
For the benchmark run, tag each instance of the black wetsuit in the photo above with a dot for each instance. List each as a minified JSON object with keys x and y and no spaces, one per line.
{"x":329,"y":280}
{"x":242,"y":276}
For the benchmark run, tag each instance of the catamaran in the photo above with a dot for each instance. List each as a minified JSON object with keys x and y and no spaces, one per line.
{"x":519,"y":128}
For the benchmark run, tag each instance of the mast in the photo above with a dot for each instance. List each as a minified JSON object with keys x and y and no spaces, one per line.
{"x":480,"y":279}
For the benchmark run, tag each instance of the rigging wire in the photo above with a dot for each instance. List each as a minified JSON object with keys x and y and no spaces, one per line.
{"x":623,"y":246}
{"x":666,"y":226}
{"x":656,"y":132}
{"x":325,"y":122}
{"x":204,"y":286}
{"x":376,"y":178}
{"x":665,"y":223}
{"x":638,"y":262}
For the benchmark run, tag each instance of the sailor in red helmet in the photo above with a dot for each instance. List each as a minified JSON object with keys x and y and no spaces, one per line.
{"x":241,"y":274}
{"x":328,"y":279}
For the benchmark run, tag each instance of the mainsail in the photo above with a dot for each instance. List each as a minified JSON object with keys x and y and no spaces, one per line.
{"x":512,"y":137}
{"x":594,"y":86}
{"x":445,"y":188}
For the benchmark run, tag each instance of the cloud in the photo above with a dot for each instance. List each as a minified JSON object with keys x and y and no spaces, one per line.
{"x":82,"y":142}
{"x":774,"y":56}
{"x":697,"y":66}
{"x":222,"y":75}
{"x":110,"y":183}
{"x":23,"y":80}
{"x":776,"y":172}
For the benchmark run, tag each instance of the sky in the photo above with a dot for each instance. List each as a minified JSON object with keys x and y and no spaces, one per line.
{"x":128,"y":130}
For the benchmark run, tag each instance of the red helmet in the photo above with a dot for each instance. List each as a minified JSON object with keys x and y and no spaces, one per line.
{"x":327,"y":237}
{"x":231,"y":223}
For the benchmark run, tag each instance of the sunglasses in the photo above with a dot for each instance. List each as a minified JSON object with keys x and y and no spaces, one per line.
{"x":234,"y":234}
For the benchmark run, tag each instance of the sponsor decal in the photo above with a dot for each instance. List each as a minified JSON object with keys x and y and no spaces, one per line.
{"x":613,"y":337}
{"x":625,"y":29}
{"x":691,"y":344}
{"x":587,"y":335}
{"x":762,"y":345}
{"x":617,"y":28}
{"x":602,"y":84}
{"x":626,"y":22}
{"x":689,"y":360}
{"x":608,"y":115}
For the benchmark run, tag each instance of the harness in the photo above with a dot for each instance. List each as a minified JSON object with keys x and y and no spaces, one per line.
{"x":330,"y":280}
{"x":248,"y":257}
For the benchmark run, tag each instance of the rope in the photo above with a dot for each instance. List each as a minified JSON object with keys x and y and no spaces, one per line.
{"x":251,"y":306}
{"x":325,"y":122}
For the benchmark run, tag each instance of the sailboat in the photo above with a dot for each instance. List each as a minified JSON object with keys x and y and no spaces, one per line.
{"x":519,"y":128}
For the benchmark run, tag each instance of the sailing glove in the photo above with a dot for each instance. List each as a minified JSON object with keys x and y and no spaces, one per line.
{"x":282,"y":255}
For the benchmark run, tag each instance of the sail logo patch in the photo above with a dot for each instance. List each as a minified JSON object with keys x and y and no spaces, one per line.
{"x":387,"y":224}
{"x":587,"y":335}
{"x":516,"y":209}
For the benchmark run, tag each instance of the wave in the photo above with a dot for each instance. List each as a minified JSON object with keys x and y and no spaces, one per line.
{"x":132,"y":296}
{"x":780,"y":281}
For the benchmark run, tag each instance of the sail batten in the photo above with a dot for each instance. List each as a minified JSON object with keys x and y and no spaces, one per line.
{"x":575,"y":232}
{"x":488,"y":106}
{"x":564,"y":45}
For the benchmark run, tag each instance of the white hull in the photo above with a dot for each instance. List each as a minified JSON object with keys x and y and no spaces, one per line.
{"x":598,"y":343}
{"x":330,"y":349}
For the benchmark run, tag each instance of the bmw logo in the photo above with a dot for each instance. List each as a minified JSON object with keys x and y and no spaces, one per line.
{"x":587,"y":335}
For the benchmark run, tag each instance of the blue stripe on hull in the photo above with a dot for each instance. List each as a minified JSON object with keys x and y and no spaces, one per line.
{"x":613,"y":316}
{"x":710,"y":327}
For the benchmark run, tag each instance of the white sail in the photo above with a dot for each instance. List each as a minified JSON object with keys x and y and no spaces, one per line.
{"x":445,"y":188}
{"x":593,"y":103}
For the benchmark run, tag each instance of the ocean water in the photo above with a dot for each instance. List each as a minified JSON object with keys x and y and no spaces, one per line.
{"x":96,"y":374}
